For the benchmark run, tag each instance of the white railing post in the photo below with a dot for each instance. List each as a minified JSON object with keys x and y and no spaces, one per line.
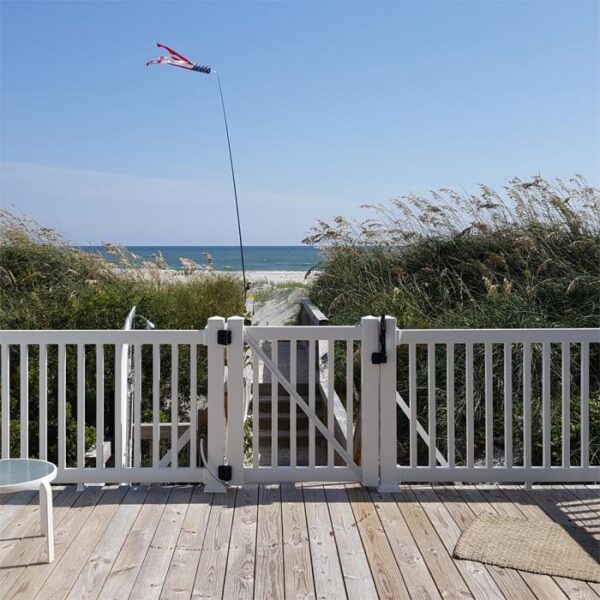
{"x":388,"y":454}
{"x":235,"y":399}
{"x":215,"y":453}
{"x":369,"y":403}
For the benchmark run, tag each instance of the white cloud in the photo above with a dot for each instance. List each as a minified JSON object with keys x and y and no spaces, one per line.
{"x":91,"y":206}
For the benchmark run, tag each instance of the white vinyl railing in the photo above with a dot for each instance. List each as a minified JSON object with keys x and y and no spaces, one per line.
{"x":347,"y":403}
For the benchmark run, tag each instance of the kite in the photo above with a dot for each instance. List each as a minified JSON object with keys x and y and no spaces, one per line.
{"x":177,"y":60}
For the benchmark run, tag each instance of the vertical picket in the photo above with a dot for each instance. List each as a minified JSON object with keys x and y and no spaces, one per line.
{"x":527,"y":405}
{"x":412,"y":396}
{"x":450,"y":404}
{"x":174,"y":405}
{"x":431,"y":404}
{"x":274,"y":406}
{"x":155,"y":405}
{"x":369,"y":402}
{"x":216,"y":398}
{"x":470,"y":434}
{"x":566,"y":404}
{"x":194,"y":405}
{"x":80,"y":406}
{"x":62,"y":402}
{"x":120,"y":418}
{"x":43,"y":401}
{"x":293,"y":382}
{"x":585,"y":405}
{"x":137,"y":405}
{"x":24,"y":414}
{"x":255,"y":410}
{"x":311,"y":401}
{"x":546,"y":413}
{"x":5,"y":358}
{"x":489,"y":406}
{"x":350,"y":397}
{"x":99,"y":406}
{"x":330,"y":396}
{"x":508,"y":408}
{"x":235,"y":399}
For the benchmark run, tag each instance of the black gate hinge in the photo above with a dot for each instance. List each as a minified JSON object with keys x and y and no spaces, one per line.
{"x":380,"y":358}
{"x":224,"y":337}
{"x":225,"y":472}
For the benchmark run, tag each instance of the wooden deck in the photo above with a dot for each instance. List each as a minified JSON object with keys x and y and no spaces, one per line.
{"x":271,"y":541}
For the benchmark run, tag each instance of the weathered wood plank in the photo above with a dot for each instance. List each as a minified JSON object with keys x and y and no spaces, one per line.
{"x":355,"y":567}
{"x":27,"y":549}
{"x":386,"y":575}
{"x":441,"y":566}
{"x":210,"y":576}
{"x":298,"y":576}
{"x":239,"y":579}
{"x":480,"y":582}
{"x":33,"y":578}
{"x":179,"y":582}
{"x":97,"y":567}
{"x":410,"y":562}
{"x":269,"y":544}
{"x":156,"y":563}
{"x":329,"y":582}
{"x":68,"y":567}
{"x":124,"y":571}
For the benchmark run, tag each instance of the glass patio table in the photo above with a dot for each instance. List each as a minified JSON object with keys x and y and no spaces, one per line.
{"x":18,"y":474}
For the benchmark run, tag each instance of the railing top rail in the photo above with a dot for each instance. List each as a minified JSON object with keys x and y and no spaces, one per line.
{"x":103,"y":336}
{"x":461,"y":336}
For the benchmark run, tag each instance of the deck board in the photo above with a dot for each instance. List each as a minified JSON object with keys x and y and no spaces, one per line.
{"x":269,"y":541}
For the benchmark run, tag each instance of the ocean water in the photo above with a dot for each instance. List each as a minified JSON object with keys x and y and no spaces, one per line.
{"x":227,"y":258}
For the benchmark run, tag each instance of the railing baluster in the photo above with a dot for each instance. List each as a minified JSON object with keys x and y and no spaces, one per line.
{"x":412,"y":396}
{"x":255,"y":410}
{"x":450,"y":404}
{"x":120,"y":389}
{"x":546,"y":413}
{"x":293,"y":380}
{"x":508,"y":416}
{"x":566,"y":404}
{"x":174,"y":404}
{"x":62,"y":401}
{"x":194,"y":405}
{"x":489,"y":406}
{"x":137,"y":405}
{"x":43,"y":401}
{"x":155,"y":405}
{"x":24,"y":415}
{"x":274,"y":406}
{"x":350,"y":397}
{"x":99,"y":406}
{"x":527,"y":405}
{"x":80,"y":406}
{"x":330,"y":395}
{"x":431,"y":404}
{"x":585,"y":405}
{"x":5,"y":358}
{"x":470,"y":439}
{"x":311,"y":401}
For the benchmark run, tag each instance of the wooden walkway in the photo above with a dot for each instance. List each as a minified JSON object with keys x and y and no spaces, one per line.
{"x":271,"y":541}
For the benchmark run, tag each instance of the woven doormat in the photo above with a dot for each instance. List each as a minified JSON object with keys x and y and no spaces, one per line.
{"x":529,"y":545}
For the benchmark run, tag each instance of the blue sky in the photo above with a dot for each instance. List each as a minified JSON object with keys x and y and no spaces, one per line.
{"x":331,"y":105}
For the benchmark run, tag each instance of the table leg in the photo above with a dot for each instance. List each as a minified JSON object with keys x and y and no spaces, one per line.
{"x":46,"y":520}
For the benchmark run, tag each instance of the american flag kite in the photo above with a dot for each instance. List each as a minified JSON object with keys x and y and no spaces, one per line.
{"x":176,"y":60}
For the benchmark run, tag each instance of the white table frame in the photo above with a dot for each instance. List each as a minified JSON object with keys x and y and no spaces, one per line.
{"x":43,"y":483}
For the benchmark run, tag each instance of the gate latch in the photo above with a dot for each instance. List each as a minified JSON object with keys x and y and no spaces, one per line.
{"x":224,"y":337}
{"x":380,"y":358}
{"x":225,"y":472}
